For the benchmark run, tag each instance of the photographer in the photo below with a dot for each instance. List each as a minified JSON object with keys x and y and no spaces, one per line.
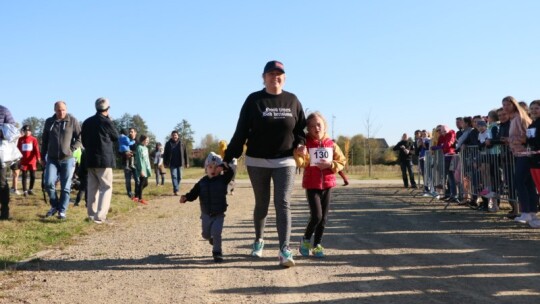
{"x":406,"y":150}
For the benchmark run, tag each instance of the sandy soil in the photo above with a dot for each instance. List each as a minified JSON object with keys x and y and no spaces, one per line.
{"x":383,"y":246}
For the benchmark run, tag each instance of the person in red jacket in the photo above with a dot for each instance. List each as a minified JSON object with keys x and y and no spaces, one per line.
{"x":322,"y":159}
{"x":29,"y":147}
{"x":446,"y":142}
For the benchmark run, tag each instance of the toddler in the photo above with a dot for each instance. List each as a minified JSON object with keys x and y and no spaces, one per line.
{"x":212,"y":193}
{"x":124,"y":142}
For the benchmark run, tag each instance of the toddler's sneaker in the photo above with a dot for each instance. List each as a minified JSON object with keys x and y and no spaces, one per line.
{"x":492,"y":206}
{"x":218,"y":257}
{"x":318,"y":251}
{"x":286,"y":257}
{"x":61,"y":216}
{"x":258,"y":247}
{"x":305,"y":247}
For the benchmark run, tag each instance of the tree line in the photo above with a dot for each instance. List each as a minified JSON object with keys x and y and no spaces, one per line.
{"x":359,"y":149}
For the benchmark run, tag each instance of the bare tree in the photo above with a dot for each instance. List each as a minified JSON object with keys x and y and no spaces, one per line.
{"x":370,"y":143}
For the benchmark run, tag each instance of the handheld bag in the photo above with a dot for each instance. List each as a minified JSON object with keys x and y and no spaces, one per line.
{"x":8,"y":144}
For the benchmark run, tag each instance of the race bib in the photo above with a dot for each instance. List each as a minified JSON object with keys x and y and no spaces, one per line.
{"x":27,"y":147}
{"x":316,"y":155}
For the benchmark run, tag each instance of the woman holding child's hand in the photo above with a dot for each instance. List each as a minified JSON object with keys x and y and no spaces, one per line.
{"x":271,"y":125}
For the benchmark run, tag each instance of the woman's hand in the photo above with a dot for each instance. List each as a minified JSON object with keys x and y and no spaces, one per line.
{"x":301,"y":150}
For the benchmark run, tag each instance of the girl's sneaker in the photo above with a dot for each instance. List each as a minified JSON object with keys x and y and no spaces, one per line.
{"x":286,"y":257}
{"x":318,"y":251}
{"x":305,"y":247}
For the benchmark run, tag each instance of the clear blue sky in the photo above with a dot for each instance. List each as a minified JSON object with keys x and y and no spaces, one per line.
{"x":405,"y":64}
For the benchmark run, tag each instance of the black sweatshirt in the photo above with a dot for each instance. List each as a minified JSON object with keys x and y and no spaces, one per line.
{"x":272,"y":125}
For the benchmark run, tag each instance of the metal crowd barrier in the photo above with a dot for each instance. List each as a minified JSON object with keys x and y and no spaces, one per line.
{"x":478,"y":172}
{"x":488,"y":173}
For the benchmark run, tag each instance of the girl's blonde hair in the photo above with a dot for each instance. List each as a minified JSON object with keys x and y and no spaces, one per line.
{"x":318,"y":114}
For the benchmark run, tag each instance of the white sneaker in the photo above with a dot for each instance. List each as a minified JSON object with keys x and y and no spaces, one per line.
{"x":492,"y":206}
{"x":524,"y":218}
{"x":535,"y":223}
{"x":427,"y":195}
{"x":286,"y":257}
{"x":257,"y":249}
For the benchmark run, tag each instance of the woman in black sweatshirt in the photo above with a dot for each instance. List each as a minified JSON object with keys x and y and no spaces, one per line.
{"x":271,"y":125}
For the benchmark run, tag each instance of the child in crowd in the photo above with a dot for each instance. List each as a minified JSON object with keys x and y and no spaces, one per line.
{"x":159,"y":168}
{"x":212,"y":193}
{"x":124,"y":141}
{"x":29,"y":147}
{"x":143,"y":169}
{"x":486,"y":193}
{"x":82,"y":174}
{"x":321,"y":158}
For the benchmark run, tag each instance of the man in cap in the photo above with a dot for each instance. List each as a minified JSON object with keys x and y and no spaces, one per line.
{"x":61,"y":136}
{"x":98,"y":137}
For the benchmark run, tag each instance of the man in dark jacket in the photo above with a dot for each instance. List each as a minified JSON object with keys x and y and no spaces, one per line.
{"x":5,"y":117}
{"x":61,"y":136}
{"x":98,"y":137}
{"x":405,"y":148}
{"x":175,"y":158}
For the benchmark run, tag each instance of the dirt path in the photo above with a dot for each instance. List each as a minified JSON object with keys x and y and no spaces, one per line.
{"x":383,"y":246}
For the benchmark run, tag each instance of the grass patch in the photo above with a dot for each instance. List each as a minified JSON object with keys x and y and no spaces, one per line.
{"x":28,"y":232}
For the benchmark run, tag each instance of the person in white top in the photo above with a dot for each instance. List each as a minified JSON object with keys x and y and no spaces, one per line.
{"x":157,"y":160}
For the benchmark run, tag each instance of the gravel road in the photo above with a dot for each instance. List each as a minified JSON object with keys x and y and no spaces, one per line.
{"x":383,"y":246}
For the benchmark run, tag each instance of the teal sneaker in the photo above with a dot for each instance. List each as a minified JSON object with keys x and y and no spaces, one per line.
{"x":258,"y":247}
{"x":286,"y":257}
{"x":318,"y":251}
{"x":305,"y":247}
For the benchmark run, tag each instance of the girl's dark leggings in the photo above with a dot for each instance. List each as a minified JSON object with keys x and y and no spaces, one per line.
{"x":319,"y":203}
{"x":143,"y":182}
{"x":32,"y":179}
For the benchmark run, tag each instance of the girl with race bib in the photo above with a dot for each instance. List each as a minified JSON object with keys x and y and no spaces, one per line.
{"x":321,"y":158}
